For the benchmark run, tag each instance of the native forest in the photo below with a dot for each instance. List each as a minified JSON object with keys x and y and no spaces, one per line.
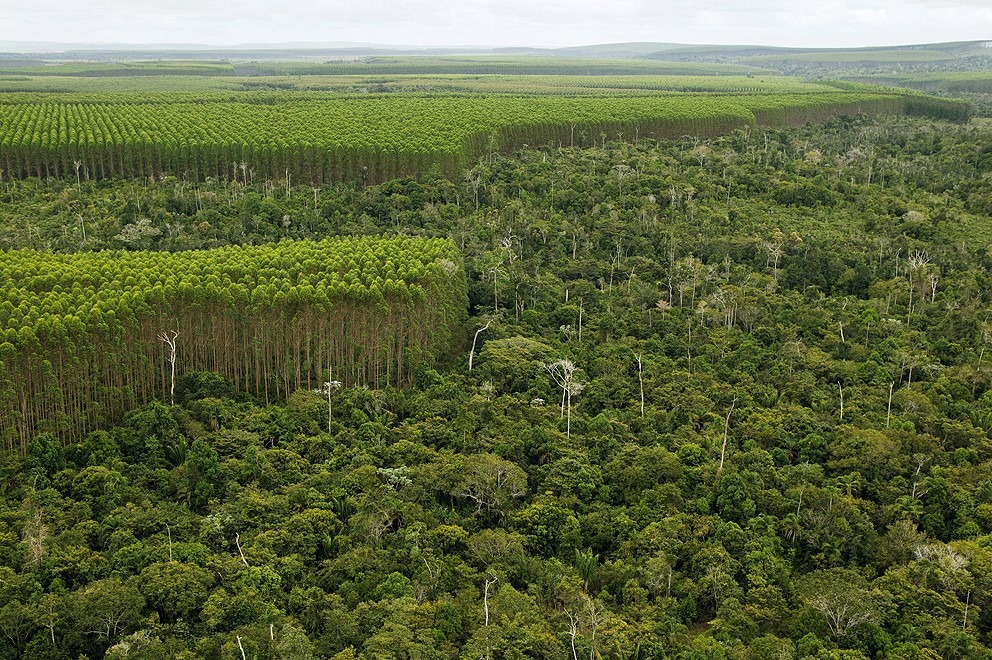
{"x":631,"y":351}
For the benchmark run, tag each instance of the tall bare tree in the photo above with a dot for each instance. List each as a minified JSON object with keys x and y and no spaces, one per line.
{"x":169,"y":339}
{"x":563,"y":373}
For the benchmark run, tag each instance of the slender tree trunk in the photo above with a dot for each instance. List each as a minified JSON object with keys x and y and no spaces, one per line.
{"x":471,"y":353}
{"x":640,"y":380}
{"x":485,"y":597}
{"x":170,"y":341}
{"x":841,"y":389}
{"x":726,"y":434}
{"x":888,"y":414}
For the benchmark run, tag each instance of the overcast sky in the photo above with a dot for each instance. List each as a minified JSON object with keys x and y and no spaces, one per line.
{"x":550,"y":23}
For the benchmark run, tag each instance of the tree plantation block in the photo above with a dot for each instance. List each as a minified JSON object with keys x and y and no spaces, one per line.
{"x":374,"y":138}
{"x":85,"y":337}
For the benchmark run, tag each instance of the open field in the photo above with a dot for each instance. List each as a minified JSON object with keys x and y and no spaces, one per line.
{"x":496,"y":65}
{"x":950,"y":82}
{"x":855,"y":57}
{"x":545,"y":85}
{"x":117,"y":69}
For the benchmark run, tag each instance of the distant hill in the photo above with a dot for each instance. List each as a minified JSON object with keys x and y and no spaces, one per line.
{"x":306,"y":50}
{"x":913,"y":54}
{"x":751,"y":55}
{"x":633,"y":49}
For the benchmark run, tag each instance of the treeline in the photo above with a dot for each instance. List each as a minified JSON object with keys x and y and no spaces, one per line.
{"x":489,"y":65}
{"x":116,"y":69}
{"x":89,"y":336}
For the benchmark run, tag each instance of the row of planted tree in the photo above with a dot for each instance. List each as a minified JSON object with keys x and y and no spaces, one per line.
{"x":374,"y":138}
{"x":89,"y":336}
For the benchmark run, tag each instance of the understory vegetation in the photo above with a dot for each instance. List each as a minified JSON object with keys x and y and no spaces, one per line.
{"x":715,"y":398}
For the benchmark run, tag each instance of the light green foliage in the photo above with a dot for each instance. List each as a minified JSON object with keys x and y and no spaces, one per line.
{"x":261,"y":317}
{"x":371,"y":138}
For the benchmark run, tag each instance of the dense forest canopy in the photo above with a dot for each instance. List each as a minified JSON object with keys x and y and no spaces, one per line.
{"x":716,"y":398}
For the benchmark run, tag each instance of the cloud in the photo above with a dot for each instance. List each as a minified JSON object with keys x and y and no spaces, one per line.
{"x":505,"y":22}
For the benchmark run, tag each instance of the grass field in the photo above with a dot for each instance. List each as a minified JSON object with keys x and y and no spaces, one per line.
{"x":543,"y":85}
{"x":496,"y":65}
{"x":117,"y":69}
{"x":854,"y":57}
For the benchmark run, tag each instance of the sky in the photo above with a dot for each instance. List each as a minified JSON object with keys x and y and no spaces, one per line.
{"x":534,"y":23}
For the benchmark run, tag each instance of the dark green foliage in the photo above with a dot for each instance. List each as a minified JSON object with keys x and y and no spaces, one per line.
{"x":805,"y":193}
{"x":738,"y":512}
{"x":196,"y":385}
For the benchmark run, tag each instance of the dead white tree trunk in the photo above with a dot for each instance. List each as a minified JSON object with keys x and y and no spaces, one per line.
{"x":888,"y":414}
{"x":726,"y":434}
{"x":562,"y":372}
{"x":237,"y":542}
{"x":169,"y":339}
{"x":573,"y":631}
{"x":471,"y":353}
{"x":485,"y":596}
{"x":640,"y":381}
